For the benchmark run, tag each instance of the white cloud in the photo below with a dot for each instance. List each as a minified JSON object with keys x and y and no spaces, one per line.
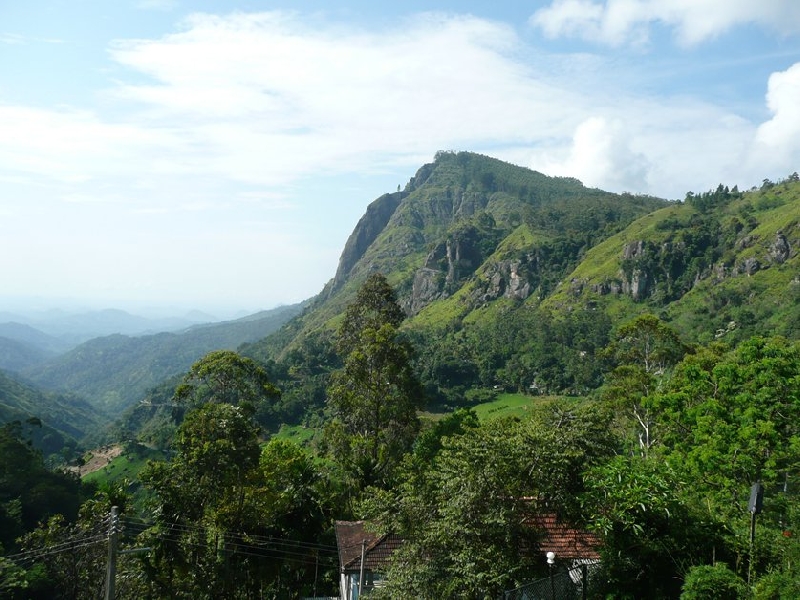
{"x":271,"y":97}
{"x":244,"y":106}
{"x":777,"y":141}
{"x":601,"y":156}
{"x":618,"y":22}
{"x":275,"y":122}
{"x":70,"y":146}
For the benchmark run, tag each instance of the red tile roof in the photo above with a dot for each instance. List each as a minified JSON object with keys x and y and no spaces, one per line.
{"x":379,"y":548}
{"x":565,"y":541}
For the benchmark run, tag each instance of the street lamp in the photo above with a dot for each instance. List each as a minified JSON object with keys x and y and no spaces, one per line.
{"x":551,"y":560}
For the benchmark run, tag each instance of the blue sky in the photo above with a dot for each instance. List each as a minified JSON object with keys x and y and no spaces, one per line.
{"x":216,"y":155}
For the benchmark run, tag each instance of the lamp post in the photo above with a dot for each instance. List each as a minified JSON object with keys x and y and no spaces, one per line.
{"x":551,"y":560}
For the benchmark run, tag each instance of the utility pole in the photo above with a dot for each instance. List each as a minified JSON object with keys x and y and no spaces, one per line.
{"x":113,"y":540}
{"x":754,"y":507}
{"x":361,"y":568}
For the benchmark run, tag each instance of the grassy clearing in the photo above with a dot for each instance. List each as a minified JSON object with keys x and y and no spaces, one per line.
{"x":127,"y":465}
{"x":512,"y":405}
{"x":299,"y":434}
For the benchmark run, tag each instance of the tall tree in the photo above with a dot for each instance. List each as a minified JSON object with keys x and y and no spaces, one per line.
{"x":226,"y":376}
{"x":201,"y":497}
{"x":727,"y":420}
{"x":374,"y":398}
{"x":233,"y":520}
{"x":642,"y":351}
{"x":375,"y":305}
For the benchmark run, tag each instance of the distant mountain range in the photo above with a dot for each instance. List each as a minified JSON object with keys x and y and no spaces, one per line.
{"x":103,"y":376}
{"x":58,"y":330}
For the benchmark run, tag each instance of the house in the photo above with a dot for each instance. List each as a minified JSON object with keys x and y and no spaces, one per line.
{"x":355,"y":541}
{"x":564,"y":541}
{"x":573,"y":548}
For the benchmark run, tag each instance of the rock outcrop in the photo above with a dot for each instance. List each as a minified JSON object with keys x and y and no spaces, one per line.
{"x":369,"y":227}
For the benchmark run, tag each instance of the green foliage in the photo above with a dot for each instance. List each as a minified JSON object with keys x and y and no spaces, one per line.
{"x":648,"y":342}
{"x":375,"y":305}
{"x":464,"y":515}
{"x":716,"y":582}
{"x":61,"y":420}
{"x":649,"y":531}
{"x":114,"y":372}
{"x":644,"y":351}
{"x":227,"y":377}
{"x":67,"y":559}
{"x":777,"y":585}
{"x":732,"y":419}
{"x":29,"y":492}
{"x":375,"y":396}
{"x":232,"y":520}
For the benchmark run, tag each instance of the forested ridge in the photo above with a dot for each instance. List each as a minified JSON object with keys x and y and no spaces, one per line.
{"x":653,"y":346}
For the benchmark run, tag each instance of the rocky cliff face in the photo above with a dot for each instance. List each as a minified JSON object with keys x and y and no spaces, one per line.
{"x":444,"y":231}
{"x":366,"y":231}
{"x":642,"y":265}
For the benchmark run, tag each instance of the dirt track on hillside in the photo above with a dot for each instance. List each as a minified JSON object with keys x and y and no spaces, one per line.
{"x":100,"y":457}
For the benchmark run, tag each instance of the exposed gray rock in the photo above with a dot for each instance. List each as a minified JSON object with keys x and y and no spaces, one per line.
{"x":638,"y":285}
{"x":369,"y":227}
{"x":633,"y":250}
{"x":428,"y":286}
{"x":780,"y":249}
{"x":518,"y":287}
{"x":749,"y":266}
{"x":720,"y":271}
{"x":607,"y":287}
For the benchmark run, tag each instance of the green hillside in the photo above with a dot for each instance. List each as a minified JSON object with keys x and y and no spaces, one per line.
{"x":53,"y":422}
{"x":114,"y":372}
{"x":516,"y":280}
{"x":721,"y":265}
{"x":469,"y":229}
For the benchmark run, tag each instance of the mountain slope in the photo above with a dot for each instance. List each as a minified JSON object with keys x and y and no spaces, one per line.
{"x":511,"y":279}
{"x":64,"y":419}
{"x":464,"y":209}
{"x":719,"y":265}
{"x":115,"y":371}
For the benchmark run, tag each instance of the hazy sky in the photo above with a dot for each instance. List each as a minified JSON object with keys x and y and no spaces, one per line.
{"x":217,"y":154}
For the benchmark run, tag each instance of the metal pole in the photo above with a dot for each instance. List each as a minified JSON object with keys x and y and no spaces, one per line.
{"x":361,"y":570}
{"x":585,"y":578}
{"x":752,"y":543}
{"x":552,"y":585}
{"x":111,"y":565}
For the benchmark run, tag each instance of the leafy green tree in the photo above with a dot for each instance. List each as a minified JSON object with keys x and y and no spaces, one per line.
{"x":648,"y":342}
{"x":233,"y":520}
{"x":642,"y":352}
{"x":727,"y":420}
{"x":734,"y":418}
{"x":715,"y":582}
{"x":649,"y":530}
{"x":227,"y":377}
{"x":67,"y":560}
{"x":13,"y":584}
{"x":375,"y":305}
{"x":465,"y":517}
{"x":375,"y":396}
{"x":200,"y":496}
{"x":29,"y":492}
